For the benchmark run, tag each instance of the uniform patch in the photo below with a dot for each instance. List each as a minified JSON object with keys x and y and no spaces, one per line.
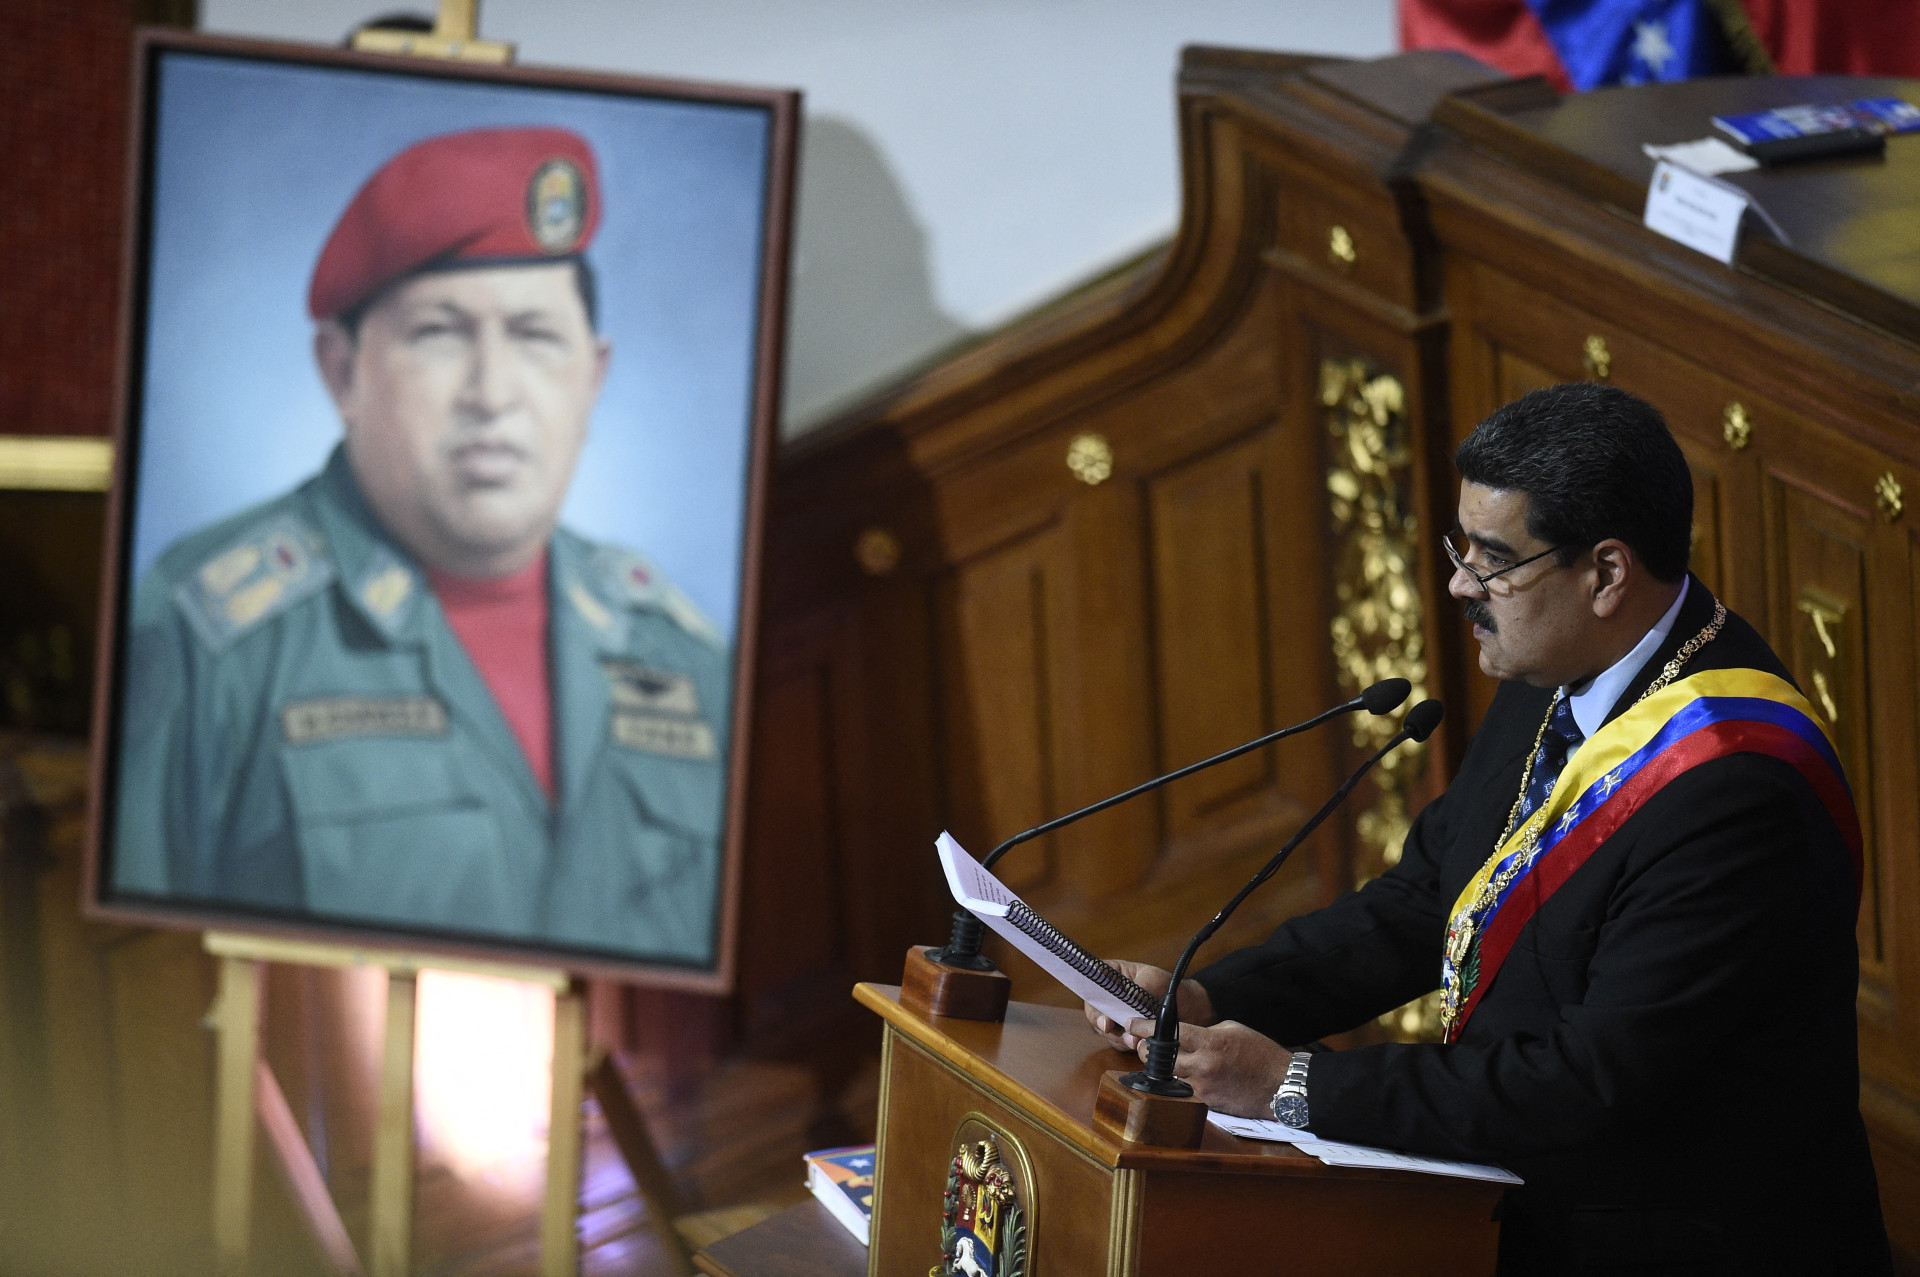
{"x":651,"y":691}
{"x":336,"y":717}
{"x":660,"y":734}
{"x":628,"y":576}
{"x":278,"y":563}
{"x":557,"y":205}
{"x":589,"y":607}
{"x":385,"y":591}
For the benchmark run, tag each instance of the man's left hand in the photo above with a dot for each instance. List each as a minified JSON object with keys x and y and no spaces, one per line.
{"x":1234,"y":1069}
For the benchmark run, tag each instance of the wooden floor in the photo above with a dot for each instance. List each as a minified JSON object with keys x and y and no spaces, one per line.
{"x":734,"y":1149}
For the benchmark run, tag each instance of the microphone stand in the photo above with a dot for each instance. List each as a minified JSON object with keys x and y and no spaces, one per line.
{"x":962,"y":950}
{"x":1163,"y":1048}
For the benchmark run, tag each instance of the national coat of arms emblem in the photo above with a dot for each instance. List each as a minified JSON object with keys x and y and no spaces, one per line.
{"x":983,"y":1230}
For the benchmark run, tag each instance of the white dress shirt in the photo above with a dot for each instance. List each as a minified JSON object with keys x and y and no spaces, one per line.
{"x":1591,"y":703}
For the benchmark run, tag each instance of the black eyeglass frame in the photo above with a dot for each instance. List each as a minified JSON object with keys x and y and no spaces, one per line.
{"x":1446,"y":541}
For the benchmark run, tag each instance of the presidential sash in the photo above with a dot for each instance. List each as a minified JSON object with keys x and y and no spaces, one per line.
{"x":1614,"y":772}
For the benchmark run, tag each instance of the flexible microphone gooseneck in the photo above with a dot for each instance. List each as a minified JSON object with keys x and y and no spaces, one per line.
{"x":1164,"y":1046}
{"x":963,"y":943}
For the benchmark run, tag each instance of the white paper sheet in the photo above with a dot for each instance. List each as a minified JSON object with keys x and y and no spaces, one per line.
{"x":988,"y":899}
{"x":1337,"y":1154}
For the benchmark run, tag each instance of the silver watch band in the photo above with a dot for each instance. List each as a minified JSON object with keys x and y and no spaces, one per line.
{"x":1289,"y":1102}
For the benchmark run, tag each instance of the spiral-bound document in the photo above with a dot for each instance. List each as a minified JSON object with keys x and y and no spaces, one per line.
{"x":994,"y":903}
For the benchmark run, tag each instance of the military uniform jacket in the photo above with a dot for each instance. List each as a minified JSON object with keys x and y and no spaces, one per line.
{"x":304,"y":735}
{"x":1667,"y":1055}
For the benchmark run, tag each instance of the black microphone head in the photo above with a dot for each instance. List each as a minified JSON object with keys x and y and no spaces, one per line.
{"x":1422,"y":719}
{"x":1385,"y":695}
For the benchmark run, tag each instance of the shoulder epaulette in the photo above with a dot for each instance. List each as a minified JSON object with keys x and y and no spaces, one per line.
{"x":272,"y":566}
{"x":633,"y":580}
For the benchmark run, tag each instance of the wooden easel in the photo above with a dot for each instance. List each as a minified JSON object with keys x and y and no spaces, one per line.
{"x":248,"y":1089}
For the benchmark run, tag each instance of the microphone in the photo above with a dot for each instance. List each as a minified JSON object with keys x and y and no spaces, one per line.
{"x":962,"y":949}
{"x":1164,"y":1047}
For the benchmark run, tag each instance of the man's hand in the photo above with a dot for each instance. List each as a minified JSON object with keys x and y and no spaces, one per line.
{"x":1234,"y":1069}
{"x":1195,"y":1006}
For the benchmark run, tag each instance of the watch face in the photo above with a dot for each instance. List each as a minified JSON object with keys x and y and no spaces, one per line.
{"x":1291,"y":1109}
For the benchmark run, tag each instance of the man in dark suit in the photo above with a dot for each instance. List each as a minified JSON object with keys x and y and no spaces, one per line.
{"x":1639,"y":907}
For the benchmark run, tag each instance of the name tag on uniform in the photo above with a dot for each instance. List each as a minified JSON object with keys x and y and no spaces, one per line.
{"x":658,"y":734}
{"x":657,"y":711}
{"x":637,"y":687}
{"x":337,"y":717}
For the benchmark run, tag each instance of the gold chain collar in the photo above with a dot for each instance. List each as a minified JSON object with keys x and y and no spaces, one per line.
{"x":1668,"y":672}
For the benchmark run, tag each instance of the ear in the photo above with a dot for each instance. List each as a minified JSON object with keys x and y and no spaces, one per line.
{"x":602,"y":359}
{"x":333,"y":350}
{"x":1615,"y":571}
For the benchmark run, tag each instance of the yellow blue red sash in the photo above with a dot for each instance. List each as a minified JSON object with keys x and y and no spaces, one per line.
{"x":1693,"y":720}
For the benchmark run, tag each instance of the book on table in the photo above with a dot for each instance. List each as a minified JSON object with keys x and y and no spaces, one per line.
{"x":842,"y":1179}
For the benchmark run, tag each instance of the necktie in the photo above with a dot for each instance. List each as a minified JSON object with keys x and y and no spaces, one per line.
{"x":1557,"y":743}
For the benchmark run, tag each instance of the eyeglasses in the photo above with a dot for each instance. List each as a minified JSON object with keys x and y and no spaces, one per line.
{"x":1485,"y":579}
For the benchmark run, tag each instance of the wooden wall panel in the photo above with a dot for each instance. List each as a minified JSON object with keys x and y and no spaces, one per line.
{"x":1821,"y":607}
{"x":1000,"y":619}
{"x":1213,"y":641}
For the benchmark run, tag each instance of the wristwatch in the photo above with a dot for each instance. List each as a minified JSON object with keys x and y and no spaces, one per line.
{"x":1289,"y":1103}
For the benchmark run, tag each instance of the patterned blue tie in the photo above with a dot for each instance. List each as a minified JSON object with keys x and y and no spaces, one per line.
{"x":1557,"y":743}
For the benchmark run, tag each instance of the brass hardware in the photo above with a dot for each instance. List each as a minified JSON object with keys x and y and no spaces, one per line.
{"x":1887,"y":494}
{"x":1090,"y":458}
{"x":1596,"y":358}
{"x":1736,"y":425}
{"x":877,"y":551}
{"x":1824,"y":660}
{"x":1340,"y":249}
{"x":1377,"y":623}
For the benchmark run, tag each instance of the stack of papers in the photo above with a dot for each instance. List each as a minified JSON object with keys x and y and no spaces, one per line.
{"x":1335,"y":1154}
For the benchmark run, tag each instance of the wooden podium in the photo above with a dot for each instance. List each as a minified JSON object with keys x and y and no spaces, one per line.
{"x":1098,"y":1206}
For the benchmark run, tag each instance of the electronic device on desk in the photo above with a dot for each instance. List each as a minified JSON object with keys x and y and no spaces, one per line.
{"x":1820,"y":130}
{"x":842,"y":1179}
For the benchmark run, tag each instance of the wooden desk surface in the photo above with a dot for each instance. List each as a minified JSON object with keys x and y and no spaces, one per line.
{"x":1049,"y":1062}
{"x":1848,"y":222}
{"x":803,"y":1240}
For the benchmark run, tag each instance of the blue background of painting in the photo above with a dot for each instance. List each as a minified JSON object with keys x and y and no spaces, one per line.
{"x":254,"y":162}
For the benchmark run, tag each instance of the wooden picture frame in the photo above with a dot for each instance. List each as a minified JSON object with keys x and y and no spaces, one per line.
{"x":209,"y":810}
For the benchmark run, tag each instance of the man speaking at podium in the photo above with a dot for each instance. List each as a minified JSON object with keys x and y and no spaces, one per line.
{"x":1637,"y":899}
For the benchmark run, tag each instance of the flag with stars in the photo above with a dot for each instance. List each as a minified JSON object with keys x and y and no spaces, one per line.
{"x":1577,"y":44}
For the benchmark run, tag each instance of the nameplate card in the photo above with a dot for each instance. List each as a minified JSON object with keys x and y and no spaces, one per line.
{"x":1698,"y":211}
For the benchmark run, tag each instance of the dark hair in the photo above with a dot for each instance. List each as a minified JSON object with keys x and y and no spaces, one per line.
{"x":1595,"y":462}
{"x":583,"y":283}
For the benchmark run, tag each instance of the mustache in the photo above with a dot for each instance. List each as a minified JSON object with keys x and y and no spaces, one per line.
{"x":1480,"y":614}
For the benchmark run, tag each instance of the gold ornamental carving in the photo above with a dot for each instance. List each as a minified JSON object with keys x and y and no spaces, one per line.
{"x":1340,"y":249}
{"x":1888,"y":496}
{"x":1826,"y":652}
{"x":1736,"y":427}
{"x":1090,"y":457}
{"x":1376,"y":627}
{"x":1377,"y":622}
{"x":1596,"y":358}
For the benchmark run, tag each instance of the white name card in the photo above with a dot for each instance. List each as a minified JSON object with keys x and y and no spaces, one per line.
{"x":1697,"y":211}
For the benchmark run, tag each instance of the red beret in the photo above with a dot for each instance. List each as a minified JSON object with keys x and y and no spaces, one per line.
{"x":512,"y":194}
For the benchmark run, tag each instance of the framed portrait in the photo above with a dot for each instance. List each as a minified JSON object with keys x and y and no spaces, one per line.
{"x":447,"y":406}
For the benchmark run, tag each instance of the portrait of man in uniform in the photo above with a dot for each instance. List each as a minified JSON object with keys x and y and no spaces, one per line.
{"x":403,"y":693}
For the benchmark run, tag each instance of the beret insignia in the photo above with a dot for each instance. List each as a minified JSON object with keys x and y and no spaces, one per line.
{"x":557,"y":205}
